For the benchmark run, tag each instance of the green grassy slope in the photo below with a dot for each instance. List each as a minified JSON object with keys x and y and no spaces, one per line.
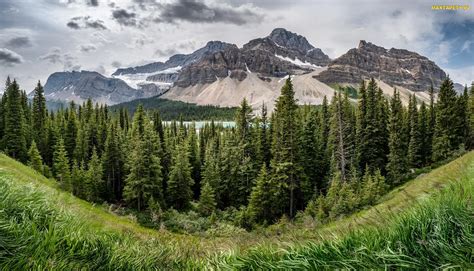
{"x":42,"y":227}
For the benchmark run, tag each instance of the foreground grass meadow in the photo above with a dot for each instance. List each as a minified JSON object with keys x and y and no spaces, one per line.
{"x":426,"y":223}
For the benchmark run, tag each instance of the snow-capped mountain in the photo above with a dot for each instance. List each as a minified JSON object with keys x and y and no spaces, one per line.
{"x":223,"y":74}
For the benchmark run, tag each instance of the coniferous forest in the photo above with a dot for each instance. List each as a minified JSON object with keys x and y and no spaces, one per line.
{"x":324,"y":161}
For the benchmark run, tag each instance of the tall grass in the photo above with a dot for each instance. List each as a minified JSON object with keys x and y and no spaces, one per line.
{"x":436,"y":233}
{"x":35,"y":234}
{"x":42,"y":228}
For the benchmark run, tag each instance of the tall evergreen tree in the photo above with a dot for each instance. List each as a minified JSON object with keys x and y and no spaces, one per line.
{"x":145,"y":180}
{"x":285,"y":166}
{"x":93,"y":177}
{"x":180,"y":182}
{"x":207,"y":201}
{"x":70,"y":136}
{"x":260,"y":203}
{"x":35,"y":160}
{"x":14,"y":137}
{"x":445,"y":139}
{"x":415,"y":145}
{"x":341,"y":136}
{"x":39,"y":119}
{"x":61,"y":165}
{"x":113,"y":162}
{"x":397,"y":160}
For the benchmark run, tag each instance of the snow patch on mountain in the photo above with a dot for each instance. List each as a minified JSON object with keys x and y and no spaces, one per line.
{"x":298,"y":62}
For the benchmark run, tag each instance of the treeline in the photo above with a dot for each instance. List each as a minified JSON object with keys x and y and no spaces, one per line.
{"x":174,"y":110}
{"x":328,"y":160}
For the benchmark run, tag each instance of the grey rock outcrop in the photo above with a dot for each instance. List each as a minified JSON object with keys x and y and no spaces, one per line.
{"x":396,"y":67}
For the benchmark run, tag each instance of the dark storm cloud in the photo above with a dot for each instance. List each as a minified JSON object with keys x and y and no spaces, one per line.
{"x":198,"y":12}
{"x":86,"y":22}
{"x":19,"y":42}
{"x":73,"y":25}
{"x":55,"y":56}
{"x":93,"y":3}
{"x":9,"y":58}
{"x":124,"y":17}
{"x":116,"y":64}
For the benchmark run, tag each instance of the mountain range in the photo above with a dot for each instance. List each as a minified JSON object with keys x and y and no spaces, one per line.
{"x":223,"y":74}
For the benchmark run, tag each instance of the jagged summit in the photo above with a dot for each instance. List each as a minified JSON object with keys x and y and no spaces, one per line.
{"x":396,"y":67}
{"x":288,"y":39}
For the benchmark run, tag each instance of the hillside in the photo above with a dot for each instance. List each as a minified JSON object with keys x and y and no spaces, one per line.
{"x":428,"y":220}
{"x":173,"y":110}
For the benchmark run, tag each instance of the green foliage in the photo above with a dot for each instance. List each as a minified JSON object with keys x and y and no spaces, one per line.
{"x":445,"y":139}
{"x":207,"y":201}
{"x":35,"y":160}
{"x":180,"y":181}
{"x":173,"y":110}
{"x":397,"y":160}
{"x":93,"y":179}
{"x":61,"y":165}
{"x":14,"y":139}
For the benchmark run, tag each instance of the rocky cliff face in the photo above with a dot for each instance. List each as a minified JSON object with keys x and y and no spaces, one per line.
{"x":79,"y":86}
{"x":279,"y":54}
{"x":396,"y":67}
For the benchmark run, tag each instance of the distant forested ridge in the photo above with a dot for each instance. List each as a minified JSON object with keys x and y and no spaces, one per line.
{"x":173,"y":110}
{"x":326,"y":161}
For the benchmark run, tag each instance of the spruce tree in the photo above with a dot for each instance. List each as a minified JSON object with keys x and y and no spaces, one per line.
{"x":70,"y":135}
{"x":261,"y":199}
{"x":35,"y":160}
{"x":207,"y":201}
{"x":14,"y":137}
{"x":39,"y":119}
{"x":423,"y":117}
{"x":397,"y":160}
{"x":445,"y":139}
{"x":145,"y":180}
{"x":341,"y":136}
{"x":180,"y":182}
{"x":61,"y":165}
{"x":415,"y":145}
{"x":113,"y":162}
{"x":285,"y":151}
{"x":93,"y":178}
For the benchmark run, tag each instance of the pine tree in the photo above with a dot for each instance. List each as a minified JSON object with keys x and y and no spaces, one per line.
{"x":78,"y":180}
{"x":423,"y":128}
{"x":446,"y":121}
{"x":70,"y":136}
{"x":372,"y":130}
{"x":285,"y":150}
{"x":93,"y":178}
{"x":180,"y":182}
{"x":211,"y":170}
{"x":415,"y":145}
{"x":61,"y":165}
{"x":35,"y":160}
{"x":14,"y":137}
{"x":207,"y":201}
{"x":243,"y":119}
{"x":261,"y":199}
{"x":431,"y":125}
{"x":397,"y":160}
{"x":145,"y":180}
{"x":194,"y":160}
{"x":39,"y":119}
{"x":341,"y":136}
{"x":113,"y":164}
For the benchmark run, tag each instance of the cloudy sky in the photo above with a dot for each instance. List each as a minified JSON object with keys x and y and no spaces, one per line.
{"x":39,"y":37}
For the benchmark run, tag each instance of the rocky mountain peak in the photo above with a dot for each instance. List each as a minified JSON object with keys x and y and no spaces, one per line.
{"x":368,"y":46}
{"x":396,"y":67}
{"x":288,"y":39}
